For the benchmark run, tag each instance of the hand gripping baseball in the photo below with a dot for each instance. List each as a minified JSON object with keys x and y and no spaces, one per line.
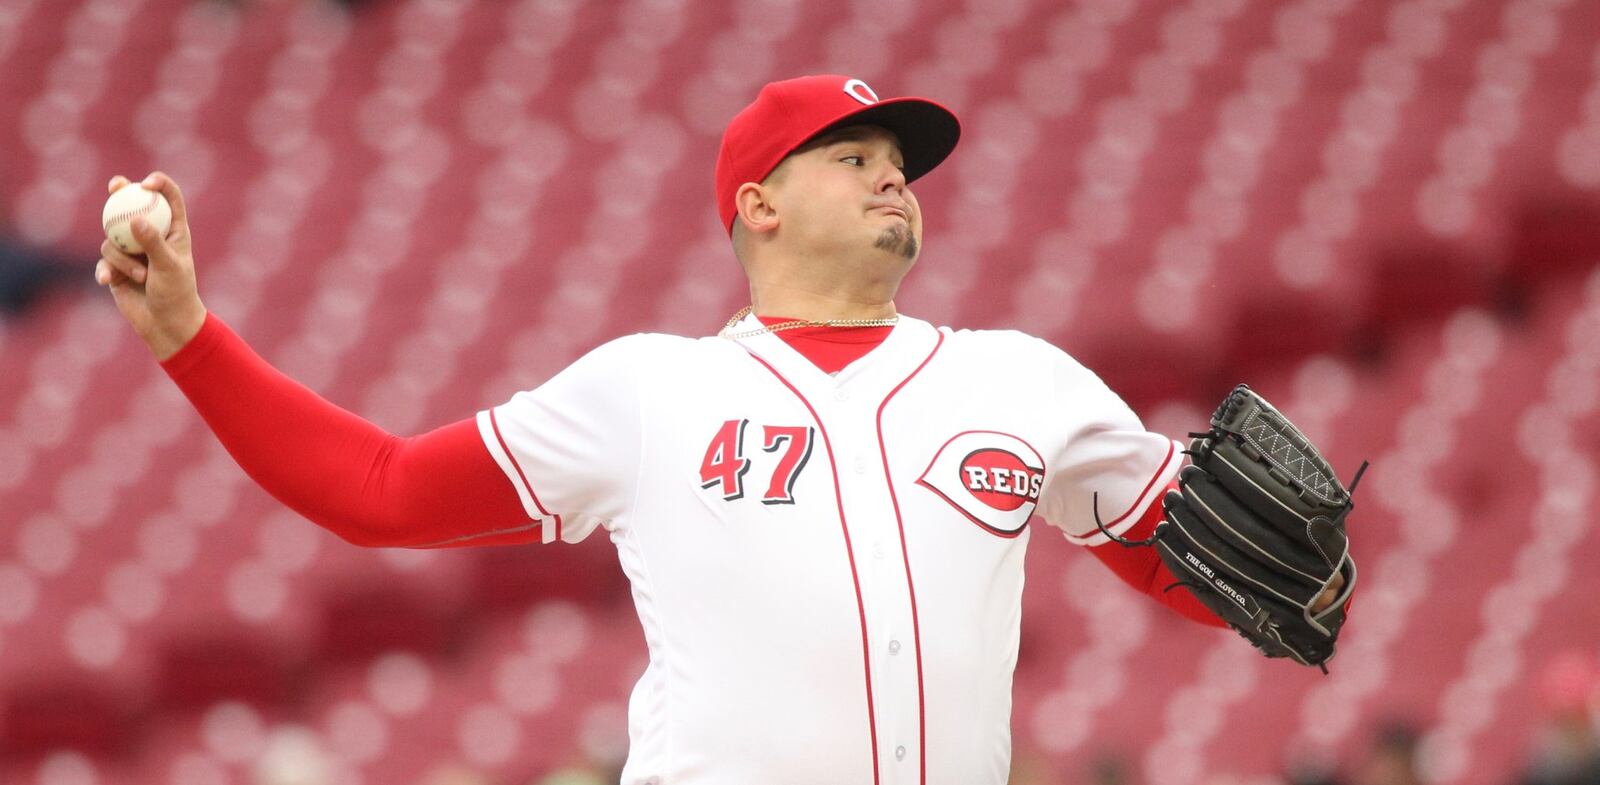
{"x":156,"y":291}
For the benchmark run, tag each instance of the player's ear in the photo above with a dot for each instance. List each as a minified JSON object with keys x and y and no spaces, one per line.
{"x":753,"y":201}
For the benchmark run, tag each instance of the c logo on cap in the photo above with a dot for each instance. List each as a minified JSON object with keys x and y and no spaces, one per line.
{"x":857,"y":89}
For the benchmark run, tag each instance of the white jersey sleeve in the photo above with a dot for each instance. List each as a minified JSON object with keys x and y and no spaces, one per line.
{"x":571,"y":446}
{"x":1106,"y":451}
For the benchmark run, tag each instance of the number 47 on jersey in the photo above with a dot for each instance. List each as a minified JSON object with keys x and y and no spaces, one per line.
{"x":725,"y":463}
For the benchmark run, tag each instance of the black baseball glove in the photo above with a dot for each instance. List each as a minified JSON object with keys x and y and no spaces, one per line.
{"x":1257,"y":532}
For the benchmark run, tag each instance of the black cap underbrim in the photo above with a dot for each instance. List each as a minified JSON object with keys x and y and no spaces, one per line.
{"x":928,"y":132}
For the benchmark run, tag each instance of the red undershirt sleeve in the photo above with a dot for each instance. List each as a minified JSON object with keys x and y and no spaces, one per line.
{"x":338,"y":470}
{"x":1143,"y":569}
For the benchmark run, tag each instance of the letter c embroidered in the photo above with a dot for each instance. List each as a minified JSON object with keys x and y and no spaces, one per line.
{"x":857,"y":89}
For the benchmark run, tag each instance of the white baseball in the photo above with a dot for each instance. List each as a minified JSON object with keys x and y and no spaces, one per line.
{"x":129,"y":201}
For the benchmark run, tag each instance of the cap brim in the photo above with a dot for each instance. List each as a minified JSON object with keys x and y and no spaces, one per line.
{"x":928,"y":132}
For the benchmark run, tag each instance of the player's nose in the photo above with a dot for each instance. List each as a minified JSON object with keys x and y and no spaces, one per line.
{"x":892,"y":179}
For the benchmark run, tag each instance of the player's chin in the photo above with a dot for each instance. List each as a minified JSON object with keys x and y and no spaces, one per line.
{"x":899,"y":240}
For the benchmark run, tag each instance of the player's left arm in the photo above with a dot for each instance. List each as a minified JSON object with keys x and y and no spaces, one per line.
{"x":1143,"y":569}
{"x":1107,"y":466}
{"x":1110,"y":469}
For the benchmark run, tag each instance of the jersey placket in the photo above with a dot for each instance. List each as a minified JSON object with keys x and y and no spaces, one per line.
{"x":846,"y":406}
{"x":886,"y":593}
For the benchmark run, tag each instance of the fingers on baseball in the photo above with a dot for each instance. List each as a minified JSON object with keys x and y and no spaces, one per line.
{"x":106,"y":275}
{"x":156,"y":249}
{"x":121,"y":263}
{"x":161,"y":181}
{"x":116,"y":184}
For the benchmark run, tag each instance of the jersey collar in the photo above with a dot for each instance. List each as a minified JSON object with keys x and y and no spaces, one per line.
{"x":906,"y":346}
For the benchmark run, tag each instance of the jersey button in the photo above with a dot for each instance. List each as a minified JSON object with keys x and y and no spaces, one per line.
{"x":841,"y":395}
{"x":877,"y":550}
{"x":894,"y":647}
{"x":900,"y":752}
{"x":861,"y":464}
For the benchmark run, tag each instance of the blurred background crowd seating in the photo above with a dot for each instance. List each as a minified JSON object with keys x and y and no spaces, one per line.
{"x":1385,"y":215}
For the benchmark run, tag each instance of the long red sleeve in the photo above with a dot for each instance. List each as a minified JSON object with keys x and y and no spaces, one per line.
{"x":1143,"y":569}
{"x":347,"y":475}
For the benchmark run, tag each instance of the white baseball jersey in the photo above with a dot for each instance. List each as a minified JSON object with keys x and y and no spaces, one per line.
{"x":828,"y":569}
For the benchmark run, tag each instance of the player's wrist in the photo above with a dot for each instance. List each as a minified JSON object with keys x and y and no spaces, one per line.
{"x":169,"y":336}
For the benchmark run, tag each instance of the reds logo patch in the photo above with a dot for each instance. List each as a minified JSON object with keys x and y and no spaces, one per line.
{"x":993,"y":478}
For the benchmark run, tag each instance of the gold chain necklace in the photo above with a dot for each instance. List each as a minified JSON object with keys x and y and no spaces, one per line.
{"x":888,"y":321}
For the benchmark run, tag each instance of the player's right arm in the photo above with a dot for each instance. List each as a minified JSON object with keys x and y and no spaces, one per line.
{"x":340,"y":471}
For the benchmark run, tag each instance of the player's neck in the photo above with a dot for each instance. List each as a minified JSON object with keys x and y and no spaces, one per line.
{"x":800,"y":303}
{"x":820,"y":309}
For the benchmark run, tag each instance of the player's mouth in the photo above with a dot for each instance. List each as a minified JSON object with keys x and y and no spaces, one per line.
{"x":889,"y":209}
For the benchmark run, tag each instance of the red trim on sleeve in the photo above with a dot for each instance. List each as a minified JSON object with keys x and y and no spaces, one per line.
{"x":372,"y":488}
{"x":1155,"y":504}
{"x":494,"y":422}
{"x":1143,"y":569}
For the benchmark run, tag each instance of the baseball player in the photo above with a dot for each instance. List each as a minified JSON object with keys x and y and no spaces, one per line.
{"x":822,"y":510}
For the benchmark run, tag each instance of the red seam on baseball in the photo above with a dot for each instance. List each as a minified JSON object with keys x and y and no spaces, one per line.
{"x":128,"y":216}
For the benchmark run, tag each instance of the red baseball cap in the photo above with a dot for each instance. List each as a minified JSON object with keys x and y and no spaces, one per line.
{"x":787,"y":114}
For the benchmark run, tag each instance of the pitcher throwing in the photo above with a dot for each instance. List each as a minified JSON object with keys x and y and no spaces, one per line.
{"x":822,"y":510}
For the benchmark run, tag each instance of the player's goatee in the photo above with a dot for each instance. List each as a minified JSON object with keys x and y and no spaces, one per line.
{"x":898,"y":239}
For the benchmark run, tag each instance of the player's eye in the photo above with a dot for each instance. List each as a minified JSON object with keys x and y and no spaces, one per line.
{"x":858,"y":160}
